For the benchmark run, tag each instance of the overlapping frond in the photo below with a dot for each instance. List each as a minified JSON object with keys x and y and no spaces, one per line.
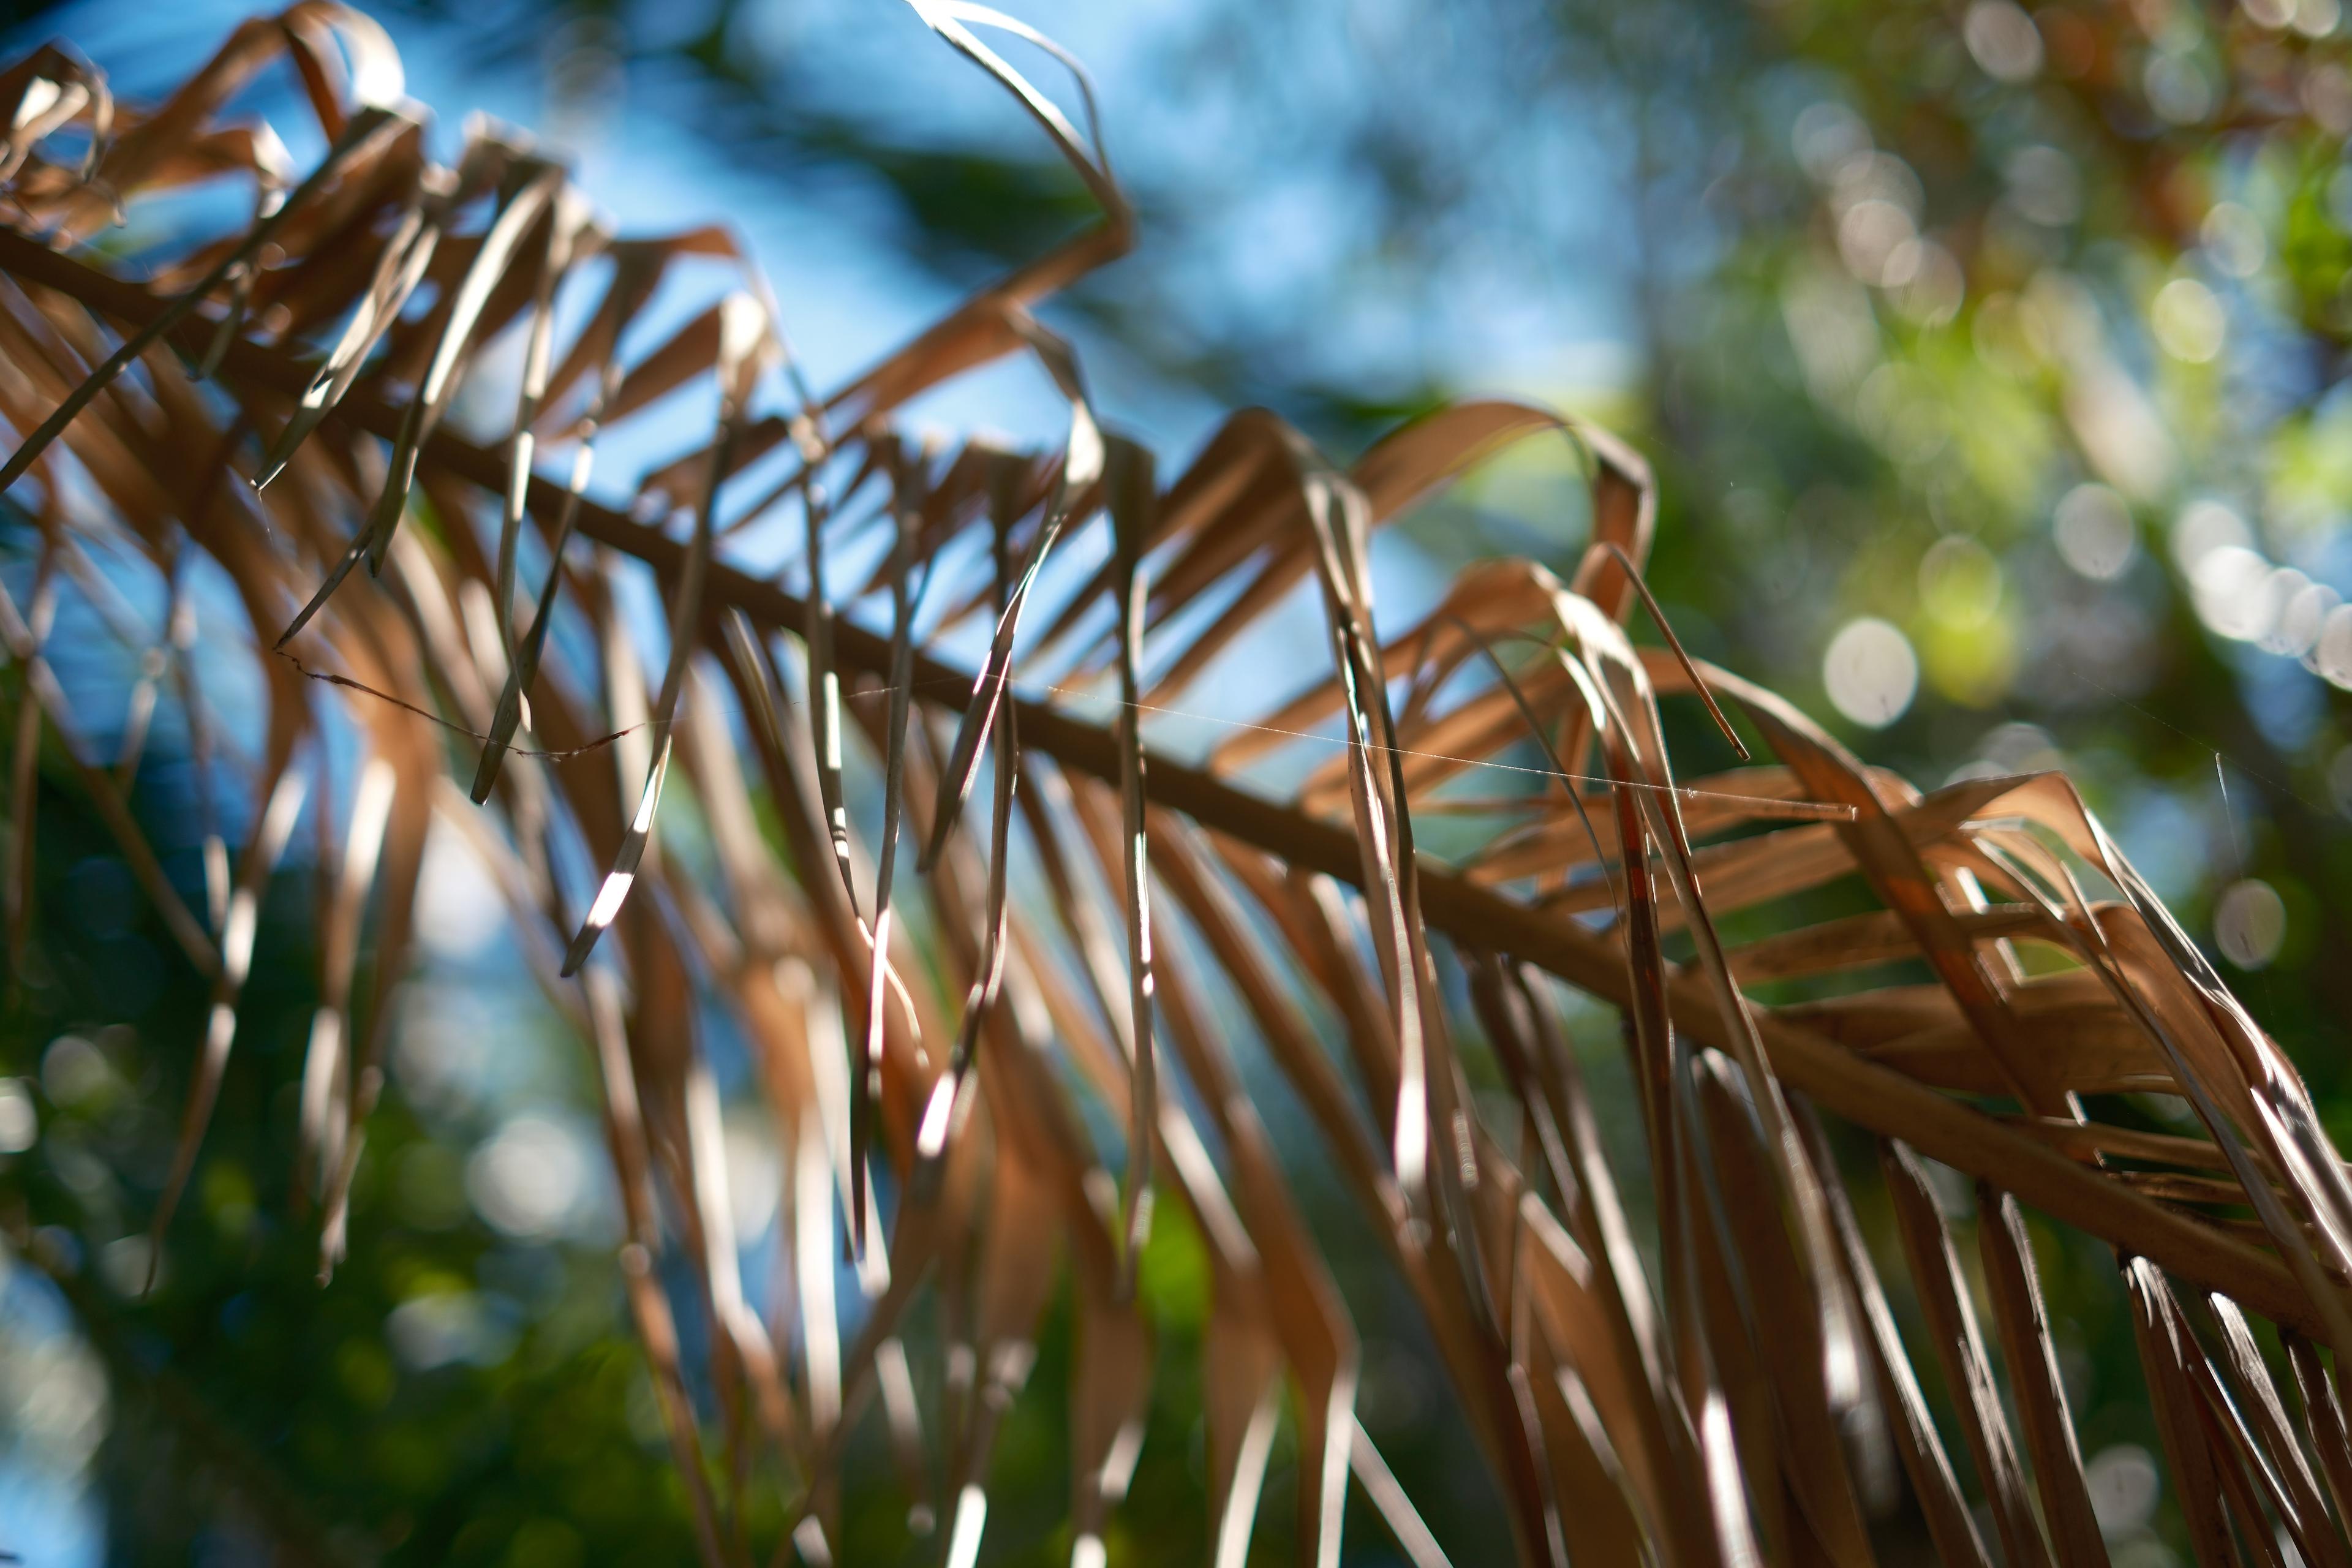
{"x":281,"y":403}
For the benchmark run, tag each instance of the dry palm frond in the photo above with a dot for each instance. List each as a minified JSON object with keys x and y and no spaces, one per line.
{"x":1751,"y":1401}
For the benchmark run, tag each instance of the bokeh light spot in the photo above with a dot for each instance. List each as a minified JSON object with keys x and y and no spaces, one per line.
{"x":2123,"y":1484}
{"x":1871,"y":672}
{"x":2003,"y":39}
{"x":20,"y":1124}
{"x":2249,"y":923}
{"x":2331,"y":656}
{"x":2093,"y":528}
{"x":2233,"y":237}
{"x":459,"y":907}
{"x":528,"y":1180}
{"x":2188,"y":322}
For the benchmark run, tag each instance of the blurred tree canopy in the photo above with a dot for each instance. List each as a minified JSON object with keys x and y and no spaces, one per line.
{"x":1993,"y":362}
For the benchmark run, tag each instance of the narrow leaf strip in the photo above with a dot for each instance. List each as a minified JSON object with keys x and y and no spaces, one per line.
{"x":635,"y":272}
{"x":1133,"y":494}
{"x":952,"y":1096}
{"x":2256,"y":1398}
{"x":739,"y":363}
{"x":326,"y":1066}
{"x":539,"y":185}
{"x":866,"y":1080}
{"x":564,"y":231}
{"x":1920,"y":1446}
{"x":2323,"y":1417}
{"x":1082,"y":467}
{"x":363,"y":128}
{"x":271,"y":831}
{"x":1960,"y":1349}
{"x":399,"y":270}
{"x":2033,"y":1361}
{"x":2162,"y":1341}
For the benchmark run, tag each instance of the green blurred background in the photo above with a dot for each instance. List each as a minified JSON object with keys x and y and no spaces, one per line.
{"x":1992,"y":361}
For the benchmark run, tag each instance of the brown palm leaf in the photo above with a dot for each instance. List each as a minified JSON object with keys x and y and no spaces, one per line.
{"x":1738,"y":1392}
